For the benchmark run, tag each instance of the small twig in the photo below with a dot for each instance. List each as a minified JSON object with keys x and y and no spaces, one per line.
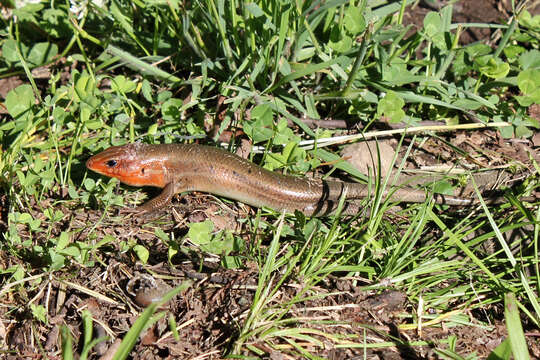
{"x":329,"y":123}
{"x":309,"y":144}
{"x":322,"y":123}
{"x":402,"y":125}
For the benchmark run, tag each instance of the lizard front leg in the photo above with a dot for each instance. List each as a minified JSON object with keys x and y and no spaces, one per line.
{"x":160,"y":201}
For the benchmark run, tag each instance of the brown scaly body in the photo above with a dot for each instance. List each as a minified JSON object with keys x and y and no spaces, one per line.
{"x":180,"y":168}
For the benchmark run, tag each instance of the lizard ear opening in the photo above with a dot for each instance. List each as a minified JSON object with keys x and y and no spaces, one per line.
{"x":142,"y":171}
{"x":111,"y":163}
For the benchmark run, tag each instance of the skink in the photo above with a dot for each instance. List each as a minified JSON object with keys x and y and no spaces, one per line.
{"x":179,"y":168}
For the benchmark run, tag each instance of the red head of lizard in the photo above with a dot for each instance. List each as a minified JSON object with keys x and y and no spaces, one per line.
{"x":131,"y":164}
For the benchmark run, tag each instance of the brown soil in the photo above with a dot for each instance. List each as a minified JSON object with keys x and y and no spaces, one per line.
{"x":468,"y":11}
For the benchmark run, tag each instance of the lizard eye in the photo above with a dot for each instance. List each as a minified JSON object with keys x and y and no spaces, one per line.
{"x":142,"y":171}
{"x":111,"y":163}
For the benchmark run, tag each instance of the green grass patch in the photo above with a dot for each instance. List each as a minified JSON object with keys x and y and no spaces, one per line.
{"x":170,"y":71}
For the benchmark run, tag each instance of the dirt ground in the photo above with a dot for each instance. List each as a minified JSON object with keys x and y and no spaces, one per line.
{"x":477,"y":11}
{"x":211,"y":309}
